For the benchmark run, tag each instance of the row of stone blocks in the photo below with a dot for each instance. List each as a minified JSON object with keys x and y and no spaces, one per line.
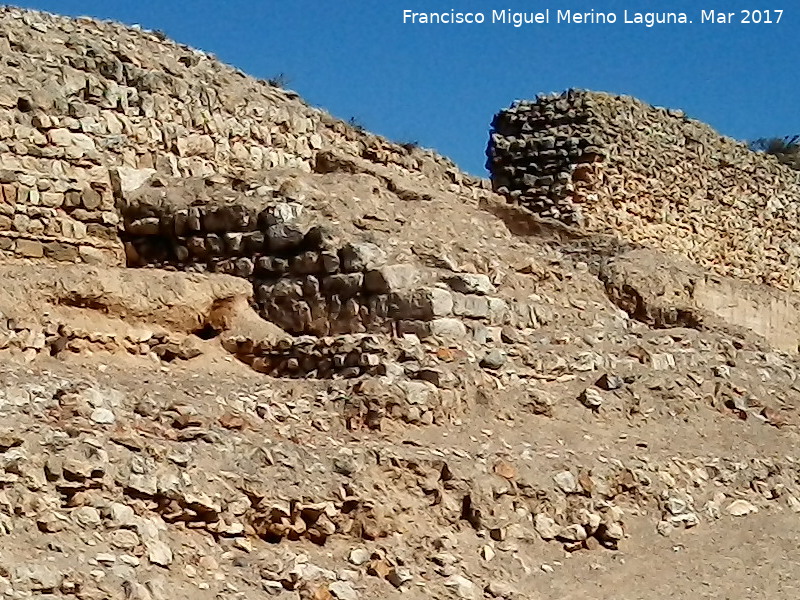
{"x":345,"y":356}
{"x":54,"y":337}
{"x":357,"y":302}
{"x":39,"y":220}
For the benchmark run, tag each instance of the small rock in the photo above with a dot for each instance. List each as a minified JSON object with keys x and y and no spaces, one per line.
{"x":463,"y":587}
{"x":613,"y":531}
{"x":494,"y":359}
{"x":690,"y":519}
{"x":609,"y":382}
{"x":379,"y":568}
{"x":106,"y":558}
{"x":124,"y":539}
{"x":487,"y":553}
{"x":358,"y":556}
{"x":87,"y":516}
{"x":572,"y":533}
{"x":591,"y":521}
{"x":121,"y":515}
{"x":566,"y":482}
{"x":506,"y":470}
{"x":545,"y":526}
{"x":591,"y":398}
{"x":665,"y":528}
{"x":500,"y":589}
{"x":159,"y":553}
{"x":397,"y":576}
{"x":345,"y":465}
{"x":9,"y":440}
{"x":741,"y":508}
{"x":675,"y":506}
{"x":103,"y":416}
{"x":343,"y":590}
{"x":468,"y":283}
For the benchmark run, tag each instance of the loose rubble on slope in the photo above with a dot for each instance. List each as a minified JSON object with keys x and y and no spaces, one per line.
{"x":235,"y":366}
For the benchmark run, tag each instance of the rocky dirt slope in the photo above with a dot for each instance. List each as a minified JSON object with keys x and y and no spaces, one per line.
{"x":359,"y":374}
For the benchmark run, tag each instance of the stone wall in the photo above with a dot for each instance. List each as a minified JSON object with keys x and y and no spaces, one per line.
{"x":308,"y":356}
{"x":652,"y":176}
{"x":305,"y":278}
{"x":80,"y":98}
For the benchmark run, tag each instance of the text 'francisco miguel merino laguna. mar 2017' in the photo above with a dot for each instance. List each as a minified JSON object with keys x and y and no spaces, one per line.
{"x":626,"y":17}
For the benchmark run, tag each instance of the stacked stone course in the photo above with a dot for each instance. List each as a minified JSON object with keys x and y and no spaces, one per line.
{"x":309,"y":356}
{"x":308,"y":281}
{"x":81,"y":98}
{"x":652,"y":176}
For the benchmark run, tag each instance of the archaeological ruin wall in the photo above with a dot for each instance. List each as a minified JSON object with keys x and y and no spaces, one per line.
{"x":306,"y":279}
{"x":80,"y":99}
{"x":652,"y":176}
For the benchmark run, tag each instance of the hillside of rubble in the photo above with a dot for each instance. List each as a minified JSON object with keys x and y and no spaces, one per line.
{"x":250,"y":351}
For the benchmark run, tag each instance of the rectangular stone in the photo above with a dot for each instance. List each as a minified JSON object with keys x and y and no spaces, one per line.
{"x":422,"y":304}
{"x":8,"y":193}
{"x":391,"y":278}
{"x":474,"y":307}
{"x":61,"y":251}
{"x":30,"y":248}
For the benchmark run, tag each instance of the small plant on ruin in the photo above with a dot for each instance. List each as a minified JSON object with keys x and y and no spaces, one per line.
{"x":356,"y":124}
{"x":786,"y":150}
{"x":281,"y":80}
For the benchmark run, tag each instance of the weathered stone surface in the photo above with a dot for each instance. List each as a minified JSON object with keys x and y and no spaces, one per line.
{"x":468,"y":283}
{"x":127,"y":179}
{"x":361,"y":257}
{"x":391,"y":278}
{"x":613,"y":164}
{"x":421,"y":304}
{"x":473,"y":307}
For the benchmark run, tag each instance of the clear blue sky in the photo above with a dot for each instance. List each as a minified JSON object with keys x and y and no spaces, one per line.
{"x":440,"y":85}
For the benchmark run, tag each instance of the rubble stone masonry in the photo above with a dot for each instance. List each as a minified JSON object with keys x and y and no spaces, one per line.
{"x":81,"y":98}
{"x":652,"y":176}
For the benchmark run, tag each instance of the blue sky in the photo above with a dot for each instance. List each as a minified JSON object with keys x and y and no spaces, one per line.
{"x":439,"y":85}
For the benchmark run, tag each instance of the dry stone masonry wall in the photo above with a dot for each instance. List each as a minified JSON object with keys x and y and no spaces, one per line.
{"x":306,"y":279}
{"x":81,"y":98}
{"x":653,"y":176}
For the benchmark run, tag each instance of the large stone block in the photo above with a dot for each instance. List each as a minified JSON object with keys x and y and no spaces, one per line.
{"x":499,"y":312}
{"x":448,"y":329}
{"x":222,"y":219}
{"x":8,"y":193}
{"x":422,"y":304}
{"x":343,"y":285}
{"x":80,"y":143}
{"x":474,"y":307}
{"x":61,"y":251}
{"x":196,"y":145}
{"x":470,"y":283}
{"x":29,"y":248}
{"x":125,"y":180}
{"x":391,"y":278}
{"x":52,"y":199}
{"x":361,"y":256}
{"x":282,"y":238}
